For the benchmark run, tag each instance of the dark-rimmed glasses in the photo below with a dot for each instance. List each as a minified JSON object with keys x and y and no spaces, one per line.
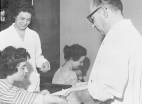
{"x":90,"y":16}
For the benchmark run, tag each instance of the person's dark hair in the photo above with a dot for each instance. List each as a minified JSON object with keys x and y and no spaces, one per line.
{"x":75,"y":52}
{"x":10,"y":58}
{"x":113,"y":4}
{"x":25,"y":8}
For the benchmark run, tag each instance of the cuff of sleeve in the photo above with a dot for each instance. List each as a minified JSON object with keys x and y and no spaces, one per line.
{"x":97,"y":92}
{"x":38,"y":99}
{"x":40,"y":61}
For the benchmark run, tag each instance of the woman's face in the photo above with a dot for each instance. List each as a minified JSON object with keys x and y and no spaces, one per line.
{"x":78,"y":63}
{"x":21,"y":73}
{"x":22,"y":20}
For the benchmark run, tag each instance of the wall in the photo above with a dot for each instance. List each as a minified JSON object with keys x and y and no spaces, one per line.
{"x":75,"y":28}
{"x":132,"y":10}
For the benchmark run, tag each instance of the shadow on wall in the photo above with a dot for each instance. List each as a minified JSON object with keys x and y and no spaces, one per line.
{"x":85,"y":67}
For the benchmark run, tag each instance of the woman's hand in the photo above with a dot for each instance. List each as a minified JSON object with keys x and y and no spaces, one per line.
{"x":45,"y":67}
{"x":44,"y":92}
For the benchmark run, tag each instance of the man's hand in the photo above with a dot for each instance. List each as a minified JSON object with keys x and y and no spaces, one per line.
{"x":45,"y":67}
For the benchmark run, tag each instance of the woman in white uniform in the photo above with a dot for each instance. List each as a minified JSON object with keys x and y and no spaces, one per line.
{"x":19,"y":35}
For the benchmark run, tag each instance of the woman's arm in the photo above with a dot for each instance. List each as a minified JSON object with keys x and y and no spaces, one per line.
{"x":53,"y":99}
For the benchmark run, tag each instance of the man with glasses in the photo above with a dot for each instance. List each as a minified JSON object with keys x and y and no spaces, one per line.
{"x":116,"y":76}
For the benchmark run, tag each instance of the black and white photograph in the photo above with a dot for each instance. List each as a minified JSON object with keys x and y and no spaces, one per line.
{"x":70,"y":52}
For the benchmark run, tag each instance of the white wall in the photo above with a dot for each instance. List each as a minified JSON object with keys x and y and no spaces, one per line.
{"x":75,"y":28}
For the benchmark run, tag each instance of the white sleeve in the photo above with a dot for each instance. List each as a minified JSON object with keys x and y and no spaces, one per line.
{"x":112,"y":74}
{"x":39,"y":57}
{"x":97,"y":92}
{"x":2,"y":41}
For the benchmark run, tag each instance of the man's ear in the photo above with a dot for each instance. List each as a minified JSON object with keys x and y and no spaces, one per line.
{"x":105,"y":12}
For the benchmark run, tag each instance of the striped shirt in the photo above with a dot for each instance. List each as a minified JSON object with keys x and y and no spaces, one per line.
{"x":10,"y":94}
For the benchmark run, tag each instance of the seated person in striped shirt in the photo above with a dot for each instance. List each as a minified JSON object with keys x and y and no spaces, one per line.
{"x":13,"y":68}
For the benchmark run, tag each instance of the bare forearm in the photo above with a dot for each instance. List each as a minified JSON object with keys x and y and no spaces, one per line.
{"x":51,"y":99}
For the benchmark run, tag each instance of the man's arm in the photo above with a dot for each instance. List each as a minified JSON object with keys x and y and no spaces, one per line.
{"x":112,"y":72}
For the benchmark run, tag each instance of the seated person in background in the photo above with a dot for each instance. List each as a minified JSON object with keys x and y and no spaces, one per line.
{"x":74,"y":56}
{"x":13,"y":67}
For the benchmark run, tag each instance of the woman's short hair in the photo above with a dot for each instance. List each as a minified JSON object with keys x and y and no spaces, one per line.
{"x":25,"y":8}
{"x":10,"y":58}
{"x":74,"y":51}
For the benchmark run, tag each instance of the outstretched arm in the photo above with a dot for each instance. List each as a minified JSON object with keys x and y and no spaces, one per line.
{"x":53,"y":99}
{"x":78,"y":87}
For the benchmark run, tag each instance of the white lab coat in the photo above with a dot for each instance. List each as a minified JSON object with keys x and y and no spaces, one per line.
{"x":117,"y":70}
{"x":31,"y":42}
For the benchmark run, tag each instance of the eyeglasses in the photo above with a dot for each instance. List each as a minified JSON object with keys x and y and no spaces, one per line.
{"x":90,"y":16}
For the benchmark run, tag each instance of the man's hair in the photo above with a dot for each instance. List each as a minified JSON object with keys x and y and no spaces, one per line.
{"x":10,"y":58}
{"x":25,"y":8}
{"x":115,"y":5}
{"x":75,"y":52}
